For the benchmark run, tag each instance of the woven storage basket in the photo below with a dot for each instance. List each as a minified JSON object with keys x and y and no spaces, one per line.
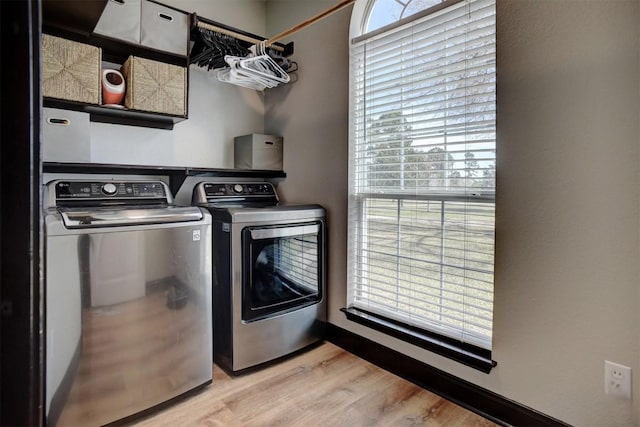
{"x":155,"y":86}
{"x":70,"y":70}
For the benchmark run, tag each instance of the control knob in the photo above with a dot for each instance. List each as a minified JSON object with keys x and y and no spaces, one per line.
{"x":109,"y":189}
{"x":237,"y":188}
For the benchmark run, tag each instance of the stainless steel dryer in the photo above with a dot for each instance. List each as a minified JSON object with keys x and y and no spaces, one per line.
{"x":269,"y":291}
{"x":128,"y":300}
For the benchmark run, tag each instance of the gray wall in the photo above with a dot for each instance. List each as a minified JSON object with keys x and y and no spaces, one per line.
{"x":567,"y":294}
{"x":567,"y":229}
{"x":311,"y":114}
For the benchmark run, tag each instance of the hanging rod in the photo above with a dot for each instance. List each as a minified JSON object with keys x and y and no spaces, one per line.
{"x":309,"y":21}
{"x":239,"y":36}
{"x":270,"y":42}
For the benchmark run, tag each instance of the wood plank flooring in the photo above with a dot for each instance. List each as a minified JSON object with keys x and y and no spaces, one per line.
{"x":325,"y":386}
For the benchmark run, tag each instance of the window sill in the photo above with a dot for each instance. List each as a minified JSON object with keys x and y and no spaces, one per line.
{"x":466,"y":354}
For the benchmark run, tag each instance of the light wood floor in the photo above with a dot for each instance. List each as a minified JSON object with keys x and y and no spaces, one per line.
{"x":325,"y":386}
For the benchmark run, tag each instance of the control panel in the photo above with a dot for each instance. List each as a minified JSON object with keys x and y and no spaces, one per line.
{"x":261,"y":189}
{"x":107,"y":190}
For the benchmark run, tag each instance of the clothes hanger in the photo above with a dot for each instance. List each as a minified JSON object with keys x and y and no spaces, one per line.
{"x":235,"y":75}
{"x":263,"y":65}
{"x":256,"y":71}
{"x":259,"y":70}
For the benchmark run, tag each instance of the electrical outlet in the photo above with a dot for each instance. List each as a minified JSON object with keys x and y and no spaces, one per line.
{"x":617,"y":380}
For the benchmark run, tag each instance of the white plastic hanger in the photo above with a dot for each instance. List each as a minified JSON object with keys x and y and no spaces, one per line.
{"x":257,"y":71}
{"x":232,"y":74}
{"x":261,"y":64}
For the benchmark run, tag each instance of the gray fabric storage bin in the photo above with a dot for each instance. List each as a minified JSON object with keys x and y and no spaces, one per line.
{"x":256,"y":151}
{"x":120,"y":20}
{"x":163,"y":28}
{"x":65,"y":136}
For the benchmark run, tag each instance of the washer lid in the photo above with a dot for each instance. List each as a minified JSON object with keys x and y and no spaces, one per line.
{"x":83,"y":217}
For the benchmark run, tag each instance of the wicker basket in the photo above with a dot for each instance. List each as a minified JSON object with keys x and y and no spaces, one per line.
{"x":70,"y":70}
{"x":155,"y":86}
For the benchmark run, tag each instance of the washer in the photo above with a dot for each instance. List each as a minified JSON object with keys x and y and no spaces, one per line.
{"x":269,"y":270}
{"x":128,"y":299}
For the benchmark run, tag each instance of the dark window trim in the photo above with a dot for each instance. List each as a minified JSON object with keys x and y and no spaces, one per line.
{"x":400,"y":22}
{"x":467,"y":354}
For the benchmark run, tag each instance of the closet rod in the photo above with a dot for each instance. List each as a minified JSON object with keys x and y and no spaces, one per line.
{"x":270,"y":42}
{"x":309,"y":21}
{"x":234,"y":34}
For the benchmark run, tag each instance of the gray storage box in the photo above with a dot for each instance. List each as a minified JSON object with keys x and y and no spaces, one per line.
{"x":256,"y":151}
{"x":145,"y":23}
{"x":65,"y":136}
{"x":163,"y":28}
{"x":120,"y":20}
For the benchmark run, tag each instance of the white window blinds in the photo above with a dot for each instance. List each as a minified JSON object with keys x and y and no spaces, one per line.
{"x":422,"y":172}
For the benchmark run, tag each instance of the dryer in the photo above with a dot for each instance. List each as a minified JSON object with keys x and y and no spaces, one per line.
{"x":269,"y":273}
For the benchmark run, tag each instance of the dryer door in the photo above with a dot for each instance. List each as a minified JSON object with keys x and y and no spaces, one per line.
{"x":282,"y":268}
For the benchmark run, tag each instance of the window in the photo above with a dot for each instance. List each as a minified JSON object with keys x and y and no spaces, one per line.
{"x":422,"y":173}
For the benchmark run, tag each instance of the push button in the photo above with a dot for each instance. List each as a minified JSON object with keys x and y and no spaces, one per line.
{"x":109,"y":189}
